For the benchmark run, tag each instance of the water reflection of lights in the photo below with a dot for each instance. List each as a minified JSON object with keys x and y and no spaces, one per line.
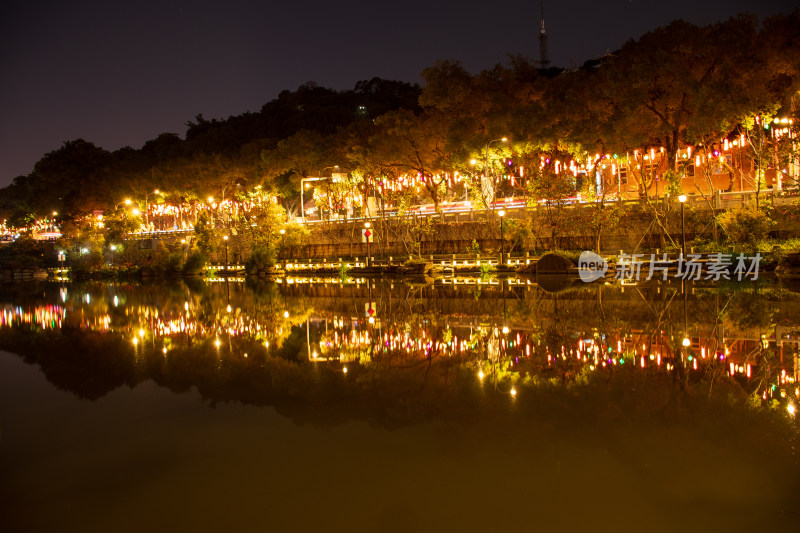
{"x":514,"y":348}
{"x":44,"y":317}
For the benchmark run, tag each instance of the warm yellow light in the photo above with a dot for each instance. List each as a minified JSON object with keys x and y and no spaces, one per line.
{"x":481,"y":374}
{"x":135,"y":212}
{"x":211,"y":199}
{"x":505,"y":329}
{"x":286,"y":314}
{"x":682,"y":198}
{"x":229,"y":308}
{"x":473,"y":162}
{"x":344,"y":370}
{"x":225,"y":238}
{"x":513,"y":391}
{"x":217,"y":342}
{"x":371,"y":320}
{"x":504,"y":139}
{"x":141,"y":333}
{"x":791,"y":408}
{"x":501,"y":213}
{"x":686,"y":341}
{"x":164,"y":350}
{"x":366,"y":225}
{"x":283,"y":231}
{"x":157,"y":191}
{"x":186,"y":305}
{"x":127,"y":201}
{"x":135,"y":341}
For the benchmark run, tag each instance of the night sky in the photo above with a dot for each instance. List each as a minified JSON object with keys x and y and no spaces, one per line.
{"x":118,"y":74}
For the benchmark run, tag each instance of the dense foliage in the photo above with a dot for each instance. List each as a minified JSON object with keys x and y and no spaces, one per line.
{"x":678,"y":85}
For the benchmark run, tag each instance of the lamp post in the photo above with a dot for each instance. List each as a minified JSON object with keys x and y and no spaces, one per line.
{"x":113,"y":247}
{"x":147,"y":206}
{"x":682,"y":199}
{"x":502,"y":238}
{"x":304,"y":181}
{"x":686,"y":342}
{"x":225,"y":238}
{"x":126,"y":201}
{"x":210,"y":201}
{"x":367,"y":235}
{"x":486,"y":159}
{"x":283,"y":253}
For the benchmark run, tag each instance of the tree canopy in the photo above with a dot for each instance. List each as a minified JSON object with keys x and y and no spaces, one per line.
{"x":673,"y":87}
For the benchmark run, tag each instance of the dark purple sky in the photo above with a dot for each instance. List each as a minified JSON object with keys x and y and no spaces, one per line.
{"x":118,"y":74}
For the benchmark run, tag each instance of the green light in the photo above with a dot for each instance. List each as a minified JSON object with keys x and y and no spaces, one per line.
{"x":690,"y":358}
{"x":622,"y":360}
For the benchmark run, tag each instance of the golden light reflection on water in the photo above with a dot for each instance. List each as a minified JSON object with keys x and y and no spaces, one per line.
{"x":509,"y":333}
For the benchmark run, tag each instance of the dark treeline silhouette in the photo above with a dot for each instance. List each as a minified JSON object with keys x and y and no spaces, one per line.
{"x":676,"y":86}
{"x":81,"y":177}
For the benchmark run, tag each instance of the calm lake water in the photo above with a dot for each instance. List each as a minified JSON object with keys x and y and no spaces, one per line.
{"x":396,"y":405}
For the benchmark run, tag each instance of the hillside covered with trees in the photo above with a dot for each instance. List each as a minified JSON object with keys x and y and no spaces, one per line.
{"x":679,"y":85}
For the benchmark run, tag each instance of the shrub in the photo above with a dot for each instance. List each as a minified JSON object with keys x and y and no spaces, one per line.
{"x":194,"y":264}
{"x":174,"y":262}
{"x":572,"y":255}
{"x":745,"y":224}
{"x":262,"y":259}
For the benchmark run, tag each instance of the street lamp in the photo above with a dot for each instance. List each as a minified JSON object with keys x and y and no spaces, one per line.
{"x":225,"y":238}
{"x":147,"y":206}
{"x":486,"y":160}
{"x":126,"y":201}
{"x":113,"y":247}
{"x":283,"y":253}
{"x":502,"y":238}
{"x":367,"y":235}
{"x":210,"y":201}
{"x":682,"y":199}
